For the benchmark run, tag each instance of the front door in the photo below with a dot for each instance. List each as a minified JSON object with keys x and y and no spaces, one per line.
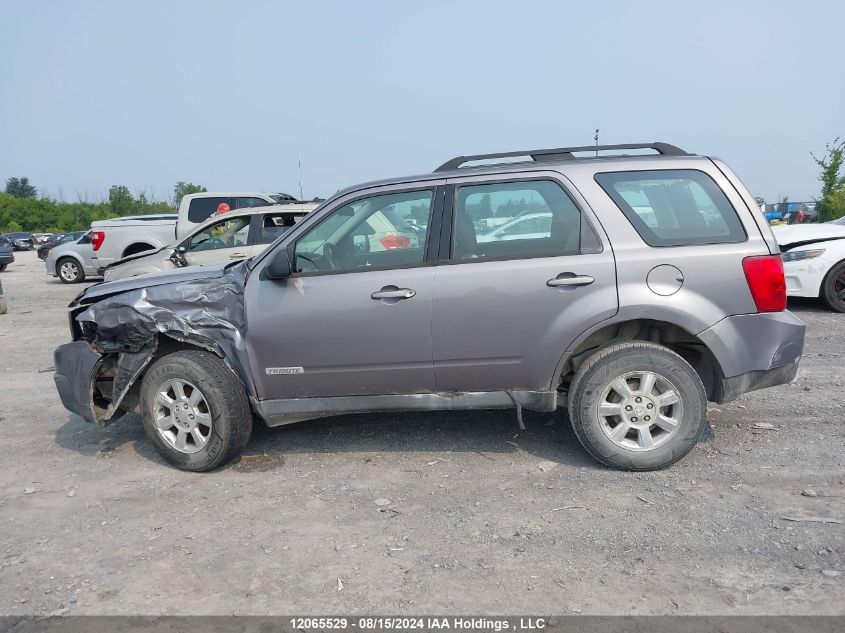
{"x":355,"y":317}
{"x":223,"y":241}
{"x":524,"y":276}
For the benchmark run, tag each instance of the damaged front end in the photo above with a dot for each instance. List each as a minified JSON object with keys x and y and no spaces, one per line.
{"x":118,"y":327}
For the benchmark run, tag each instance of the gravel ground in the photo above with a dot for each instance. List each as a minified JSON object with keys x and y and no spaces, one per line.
{"x":415,"y":513}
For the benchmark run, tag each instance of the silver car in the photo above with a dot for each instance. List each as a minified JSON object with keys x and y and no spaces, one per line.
{"x":72,"y":262}
{"x":657,"y":287}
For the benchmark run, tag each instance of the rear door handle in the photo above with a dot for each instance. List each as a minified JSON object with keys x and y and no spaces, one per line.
{"x":394,"y":293}
{"x":569,"y":279}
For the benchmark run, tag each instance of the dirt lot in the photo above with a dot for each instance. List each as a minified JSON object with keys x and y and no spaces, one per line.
{"x":481,"y":517}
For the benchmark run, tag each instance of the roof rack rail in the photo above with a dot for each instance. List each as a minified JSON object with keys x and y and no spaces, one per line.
{"x":562,"y":153}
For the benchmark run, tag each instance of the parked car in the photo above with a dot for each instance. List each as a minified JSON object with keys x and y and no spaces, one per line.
{"x":632,"y":327}
{"x":20,"y":241}
{"x":55,"y":240}
{"x":229,"y":237}
{"x":521,"y":227}
{"x":121,"y":237}
{"x":814,"y":261}
{"x":73,"y":261}
{"x":40,"y":238}
{"x":7,"y":254}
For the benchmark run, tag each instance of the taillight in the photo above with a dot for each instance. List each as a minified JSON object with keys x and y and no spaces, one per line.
{"x":97,"y":238}
{"x":395,"y":242}
{"x":764,"y":275}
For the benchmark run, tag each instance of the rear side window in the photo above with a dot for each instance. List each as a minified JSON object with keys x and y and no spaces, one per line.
{"x":508,"y":220}
{"x":275,"y":224}
{"x":674,"y":207}
{"x":202,"y":208}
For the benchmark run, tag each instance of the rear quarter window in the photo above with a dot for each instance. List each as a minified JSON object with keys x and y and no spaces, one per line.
{"x":201,"y":209}
{"x":674,"y":207}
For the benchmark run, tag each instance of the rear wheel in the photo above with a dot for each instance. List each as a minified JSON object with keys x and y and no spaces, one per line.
{"x":195,"y":410}
{"x":3,"y":267}
{"x":833,"y":288}
{"x":637,"y":406}
{"x":70,"y":272}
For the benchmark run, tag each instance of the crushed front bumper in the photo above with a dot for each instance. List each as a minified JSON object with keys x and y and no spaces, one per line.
{"x":93,"y":385}
{"x":76,"y":372}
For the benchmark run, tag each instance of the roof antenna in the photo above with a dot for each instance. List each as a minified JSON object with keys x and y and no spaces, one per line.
{"x":596,"y":139}
{"x":299,"y":163}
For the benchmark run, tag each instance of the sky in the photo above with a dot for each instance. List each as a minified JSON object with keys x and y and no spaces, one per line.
{"x":230,"y":94}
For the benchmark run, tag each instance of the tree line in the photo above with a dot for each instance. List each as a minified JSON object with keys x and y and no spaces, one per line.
{"x":22,"y":209}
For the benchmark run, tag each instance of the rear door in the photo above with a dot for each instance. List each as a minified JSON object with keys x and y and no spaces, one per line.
{"x":507,"y":304}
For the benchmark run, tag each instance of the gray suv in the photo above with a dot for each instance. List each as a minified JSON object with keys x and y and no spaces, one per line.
{"x":644,"y":287}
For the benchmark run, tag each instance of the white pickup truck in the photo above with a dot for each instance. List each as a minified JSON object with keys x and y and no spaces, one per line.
{"x":120,"y":237}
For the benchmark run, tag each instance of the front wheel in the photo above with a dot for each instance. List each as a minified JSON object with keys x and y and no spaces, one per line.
{"x":195,"y":410}
{"x":70,"y":272}
{"x":833,"y":288}
{"x":637,"y":406}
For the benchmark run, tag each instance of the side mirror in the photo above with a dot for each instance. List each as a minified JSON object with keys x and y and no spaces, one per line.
{"x":279,"y":267}
{"x":177,"y":256}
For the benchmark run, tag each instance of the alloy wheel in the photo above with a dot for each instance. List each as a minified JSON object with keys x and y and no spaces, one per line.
{"x":182,"y":417}
{"x":640,"y":410}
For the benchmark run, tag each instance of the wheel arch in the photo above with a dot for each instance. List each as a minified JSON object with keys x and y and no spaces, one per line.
{"x":671,"y":335}
{"x":138,"y":247}
{"x":827,"y":275}
{"x":165,"y":345}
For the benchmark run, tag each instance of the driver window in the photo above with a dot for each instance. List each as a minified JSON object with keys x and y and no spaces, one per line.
{"x":230,"y":233}
{"x":376,"y":232}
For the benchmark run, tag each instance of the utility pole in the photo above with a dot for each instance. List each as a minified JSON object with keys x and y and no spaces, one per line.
{"x":299,"y":163}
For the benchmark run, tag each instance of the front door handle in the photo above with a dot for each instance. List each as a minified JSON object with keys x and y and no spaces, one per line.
{"x":570,"y":279}
{"x":237,"y":256}
{"x":392,"y":292}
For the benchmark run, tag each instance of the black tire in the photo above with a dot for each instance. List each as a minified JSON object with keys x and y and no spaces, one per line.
{"x":595,"y":376}
{"x":73,"y":273}
{"x":227,"y":404}
{"x":833,"y":288}
{"x":42,"y":254}
{"x":3,"y":267}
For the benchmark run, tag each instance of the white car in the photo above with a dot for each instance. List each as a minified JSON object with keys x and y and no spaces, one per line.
{"x":528,"y":226}
{"x":228,"y":237}
{"x":814,"y":261}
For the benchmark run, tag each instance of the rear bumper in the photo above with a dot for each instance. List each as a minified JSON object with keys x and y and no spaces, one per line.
{"x":755,"y":351}
{"x":732,"y":388}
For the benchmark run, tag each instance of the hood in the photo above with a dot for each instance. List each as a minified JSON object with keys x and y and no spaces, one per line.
{"x":105,"y":289}
{"x":804,"y":234}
